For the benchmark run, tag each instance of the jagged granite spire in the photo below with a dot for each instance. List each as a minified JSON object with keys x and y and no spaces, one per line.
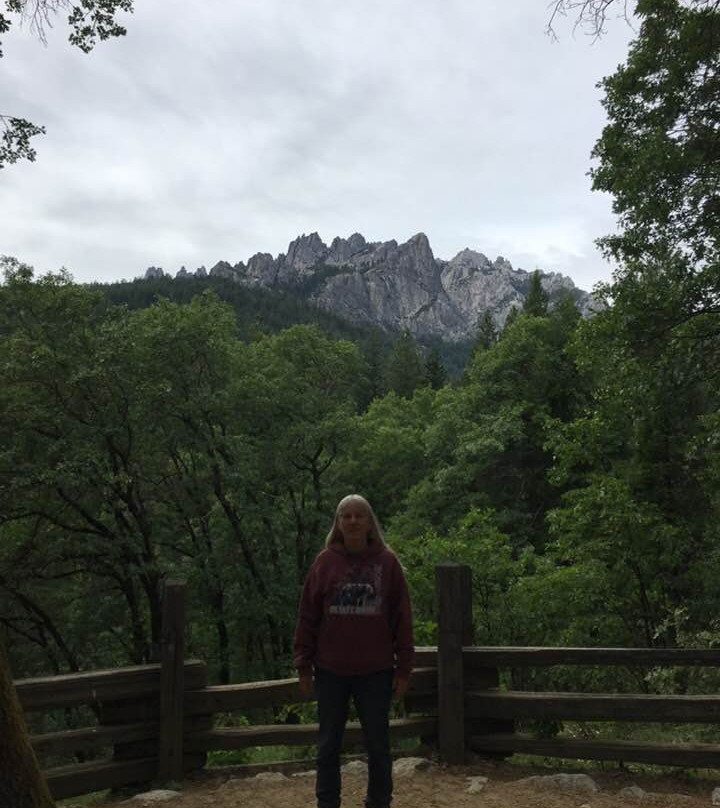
{"x":396,"y":285}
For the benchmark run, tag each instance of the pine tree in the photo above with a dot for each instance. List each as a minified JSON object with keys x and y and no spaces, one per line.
{"x":536,"y":301}
{"x":373,"y":351}
{"x":486,"y":332}
{"x":404,"y":371}
{"x":435,"y":373}
{"x":512,"y":315}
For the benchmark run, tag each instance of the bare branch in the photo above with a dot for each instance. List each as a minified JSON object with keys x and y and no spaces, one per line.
{"x":590,"y":15}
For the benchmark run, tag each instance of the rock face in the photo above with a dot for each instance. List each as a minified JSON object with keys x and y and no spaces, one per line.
{"x":396,"y":286}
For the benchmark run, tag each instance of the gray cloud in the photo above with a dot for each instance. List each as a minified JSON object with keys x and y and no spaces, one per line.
{"x":224,"y":128}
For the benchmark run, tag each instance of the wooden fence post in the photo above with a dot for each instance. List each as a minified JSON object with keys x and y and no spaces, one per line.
{"x":453,"y":584}
{"x":172,"y":682}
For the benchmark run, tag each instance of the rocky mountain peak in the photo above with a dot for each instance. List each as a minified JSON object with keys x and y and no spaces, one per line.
{"x":415,"y":256}
{"x":222,"y":270}
{"x":395,"y":285}
{"x":503,"y":265}
{"x":305,"y":252}
{"x":344,"y":250}
{"x":152,"y":273}
{"x":470,"y":259}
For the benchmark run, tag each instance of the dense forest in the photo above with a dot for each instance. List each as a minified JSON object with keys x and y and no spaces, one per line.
{"x":574,"y":464}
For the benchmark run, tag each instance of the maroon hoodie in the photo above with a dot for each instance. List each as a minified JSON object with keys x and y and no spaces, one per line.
{"x":354,"y":615}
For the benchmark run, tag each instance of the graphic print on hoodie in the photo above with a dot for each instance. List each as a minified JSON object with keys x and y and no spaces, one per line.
{"x":358,"y":592}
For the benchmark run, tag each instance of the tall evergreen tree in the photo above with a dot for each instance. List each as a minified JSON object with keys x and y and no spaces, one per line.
{"x":486,"y":331}
{"x":536,"y":301}
{"x":512,"y":315}
{"x":374,"y":359}
{"x":404,"y":371}
{"x":435,"y":373}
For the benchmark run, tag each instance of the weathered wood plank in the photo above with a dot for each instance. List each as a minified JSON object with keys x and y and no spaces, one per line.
{"x":423,"y":680}
{"x":425,"y":656}
{"x":453,"y":583}
{"x":593,"y":706}
{"x":227,"y":698}
{"x":83,"y":778}
{"x":296,"y":734}
{"x":517,"y":657}
{"x":71,"y":781}
{"x":692,"y":755}
{"x":75,"y":740}
{"x":172,"y":681}
{"x":72,"y":689}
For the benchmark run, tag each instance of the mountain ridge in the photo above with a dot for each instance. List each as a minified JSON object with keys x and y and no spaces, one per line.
{"x":395,"y":286}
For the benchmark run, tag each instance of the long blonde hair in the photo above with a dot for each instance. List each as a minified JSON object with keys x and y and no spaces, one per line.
{"x":375,"y":533}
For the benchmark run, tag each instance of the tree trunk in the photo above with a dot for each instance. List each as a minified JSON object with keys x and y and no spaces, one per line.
{"x":22,"y":784}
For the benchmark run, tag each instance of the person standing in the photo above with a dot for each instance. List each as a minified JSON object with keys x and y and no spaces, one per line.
{"x":354,"y":636}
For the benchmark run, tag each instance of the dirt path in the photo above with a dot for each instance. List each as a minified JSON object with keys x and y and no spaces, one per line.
{"x":443,"y":787}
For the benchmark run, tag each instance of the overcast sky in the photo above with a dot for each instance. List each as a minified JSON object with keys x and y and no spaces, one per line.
{"x":218,"y":129}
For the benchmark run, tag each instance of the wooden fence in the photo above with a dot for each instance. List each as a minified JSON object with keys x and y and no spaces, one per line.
{"x":157,"y":721}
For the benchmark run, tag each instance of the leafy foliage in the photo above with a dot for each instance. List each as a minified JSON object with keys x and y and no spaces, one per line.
{"x":660,"y":158}
{"x":15,"y":144}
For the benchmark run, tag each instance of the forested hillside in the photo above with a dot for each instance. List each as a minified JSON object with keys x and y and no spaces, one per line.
{"x":262,"y":311}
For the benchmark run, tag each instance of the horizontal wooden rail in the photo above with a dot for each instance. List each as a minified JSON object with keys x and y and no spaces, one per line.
{"x":249,"y":695}
{"x":425,"y":656}
{"x":73,"y":689}
{"x":688,"y":755}
{"x":71,"y":781}
{"x":488,"y":656}
{"x":296,"y":734}
{"x":74,"y":740}
{"x":227,"y":698}
{"x":593,"y":706}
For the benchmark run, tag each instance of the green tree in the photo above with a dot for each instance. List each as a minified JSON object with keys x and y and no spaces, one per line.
{"x":512,"y":315}
{"x":404,"y":368}
{"x":385,"y":449}
{"x":374,"y":353}
{"x":536,"y":300}
{"x":486,"y":332}
{"x":138,"y":443}
{"x":659,"y":156}
{"x":640,"y":512}
{"x":475,"y":541}
{"x":485,"y":446}
{"x":435,"y":373}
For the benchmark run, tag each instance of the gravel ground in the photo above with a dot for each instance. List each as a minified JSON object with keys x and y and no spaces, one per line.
{"x":444,"y":787}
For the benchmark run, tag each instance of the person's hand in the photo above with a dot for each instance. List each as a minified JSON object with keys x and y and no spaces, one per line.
{"x":305,"y":680}
{"x":400,"y":685}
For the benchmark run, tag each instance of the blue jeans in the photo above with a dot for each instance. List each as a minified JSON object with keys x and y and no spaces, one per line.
{"x":372,"y":694}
